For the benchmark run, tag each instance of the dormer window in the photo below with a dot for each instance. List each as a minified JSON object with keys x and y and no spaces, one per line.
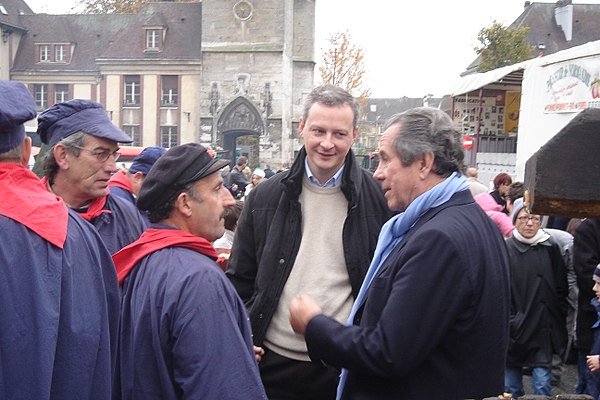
{"x":44,"y":53}
{"x":60,"y":55}
{"x":54,"y":53}
{"x":154,"y":39}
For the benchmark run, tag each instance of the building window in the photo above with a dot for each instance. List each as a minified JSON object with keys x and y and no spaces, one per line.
{"x":132,"y":90}
{"x":54,"y":53}
{"x":59,"y":53}
{"x":61,"y":93}
{"x":45,"y":53}
{"x":168,"y":136}
{"x":134,"y":132}
{"x":153,"y":39}
{"x":169,"y":90}
{"x":40,"y":94}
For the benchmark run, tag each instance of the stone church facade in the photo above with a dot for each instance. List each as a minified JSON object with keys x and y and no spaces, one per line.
{"x":258,"y":63}
{"x":230,"y":73}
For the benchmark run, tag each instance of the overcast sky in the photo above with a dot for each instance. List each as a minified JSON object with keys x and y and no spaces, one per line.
{"x":412,"y":48}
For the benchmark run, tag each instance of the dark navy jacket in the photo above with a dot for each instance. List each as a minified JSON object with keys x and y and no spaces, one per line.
{"x":122,"y":193}
{"x":435,"y":321}
{"x":122,"y":226}
{"x":184,"y":332}
{"x":127,"y":195}
{"x":58,"y":315}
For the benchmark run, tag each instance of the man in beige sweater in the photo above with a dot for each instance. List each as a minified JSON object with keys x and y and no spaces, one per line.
{"x":313,"y":228}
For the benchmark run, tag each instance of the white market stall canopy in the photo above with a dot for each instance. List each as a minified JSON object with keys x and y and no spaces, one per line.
{"x":511,"y":75}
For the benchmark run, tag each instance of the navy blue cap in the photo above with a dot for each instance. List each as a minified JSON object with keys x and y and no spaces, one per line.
{"x":146,"y":159}
{"x":64,"y":119}
{"x":16,"y":107}
{"x":179,"y":166}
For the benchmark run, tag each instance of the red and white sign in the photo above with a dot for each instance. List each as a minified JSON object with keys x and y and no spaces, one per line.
{"x":468,"y":142}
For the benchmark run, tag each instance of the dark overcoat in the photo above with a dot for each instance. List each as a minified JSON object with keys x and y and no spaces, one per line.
{"x":435,"y":321}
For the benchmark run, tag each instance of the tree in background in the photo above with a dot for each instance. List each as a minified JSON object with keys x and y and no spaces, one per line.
{"x":117,"y":6}
{"x":343,"y":66}
{"x":502,"y":46}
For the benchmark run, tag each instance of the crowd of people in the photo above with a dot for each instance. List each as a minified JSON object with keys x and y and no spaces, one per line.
{"x":178,"y":278}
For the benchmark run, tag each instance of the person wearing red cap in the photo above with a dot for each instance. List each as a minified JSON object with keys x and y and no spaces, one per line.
{"x":59,"y":292}
{"x":184,"y":330}
{"x":83,"y":150}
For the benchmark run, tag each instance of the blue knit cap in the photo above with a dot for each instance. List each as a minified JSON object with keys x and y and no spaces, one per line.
{"x":16,"y":107}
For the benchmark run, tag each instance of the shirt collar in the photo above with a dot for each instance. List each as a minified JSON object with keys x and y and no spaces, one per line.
{"x":334,"y":181}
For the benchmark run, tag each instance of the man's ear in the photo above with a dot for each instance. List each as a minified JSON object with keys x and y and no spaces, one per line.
{"x":60,"y":153}
{"x":426,"y":164}
{"x":301,"y":127}
{"x":183,"y":204}
{"x":26,"y":151}
{"x":139,"y":177}
{"x":354,"y":134}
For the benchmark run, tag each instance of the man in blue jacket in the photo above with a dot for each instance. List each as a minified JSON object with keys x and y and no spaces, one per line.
{"x":59,"y":294}
{"x":431,"y":318}
{"x":83,"y":150}
{"x":184,"y":331}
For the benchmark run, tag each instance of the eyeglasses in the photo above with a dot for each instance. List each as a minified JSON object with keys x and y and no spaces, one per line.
{"x":524,"y":219}
{"x":101,"y":155}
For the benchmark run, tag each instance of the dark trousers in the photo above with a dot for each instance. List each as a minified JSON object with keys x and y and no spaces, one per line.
{"x":287,"y":379}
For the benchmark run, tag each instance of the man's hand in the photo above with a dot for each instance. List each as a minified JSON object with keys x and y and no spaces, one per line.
{"x":259,"y":352}
{"x":302,"y":309}
{"x":593,"y":362}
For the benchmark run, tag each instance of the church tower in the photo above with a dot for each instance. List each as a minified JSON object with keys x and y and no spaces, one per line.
{"x":257,"y":67}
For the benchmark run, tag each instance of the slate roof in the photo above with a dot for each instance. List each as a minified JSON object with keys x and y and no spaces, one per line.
{"x":14,"y":10}
{"x":183,"y":37}
{"x":111,"y":36}
{"x":539,"y":17}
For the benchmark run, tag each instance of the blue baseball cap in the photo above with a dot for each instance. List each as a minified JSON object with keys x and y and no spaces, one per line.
{"x":146,"y":159}
{"x":64,"y":119}
{"x":16,"y":107}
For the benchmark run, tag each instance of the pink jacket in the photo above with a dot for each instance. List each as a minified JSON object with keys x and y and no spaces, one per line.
{"x":494,"y":211}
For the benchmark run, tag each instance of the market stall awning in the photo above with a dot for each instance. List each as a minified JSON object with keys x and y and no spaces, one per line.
{"x":509,"y":75}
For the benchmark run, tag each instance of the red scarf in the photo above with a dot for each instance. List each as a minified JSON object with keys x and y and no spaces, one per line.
{"x":120,"y":180}
{"x":95,"y":208}
{"x":24,"y":201}
{"x":154,"y":239}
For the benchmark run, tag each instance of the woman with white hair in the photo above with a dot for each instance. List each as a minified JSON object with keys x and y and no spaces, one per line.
{"x":257,"y":177}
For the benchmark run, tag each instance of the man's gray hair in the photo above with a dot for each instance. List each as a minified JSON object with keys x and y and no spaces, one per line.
{"x":13,"y":155}
{"x":73,"y":142}
{"x":428,"y":130}
{"x":330,"y":95}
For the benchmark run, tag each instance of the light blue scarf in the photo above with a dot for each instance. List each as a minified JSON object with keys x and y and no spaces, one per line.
{"x":392,"y":233}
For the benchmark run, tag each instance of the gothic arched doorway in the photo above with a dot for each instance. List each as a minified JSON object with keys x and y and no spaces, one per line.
{"x":239,"y":127}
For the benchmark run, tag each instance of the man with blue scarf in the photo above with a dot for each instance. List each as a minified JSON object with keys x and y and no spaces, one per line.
{"x":431,"y":318}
